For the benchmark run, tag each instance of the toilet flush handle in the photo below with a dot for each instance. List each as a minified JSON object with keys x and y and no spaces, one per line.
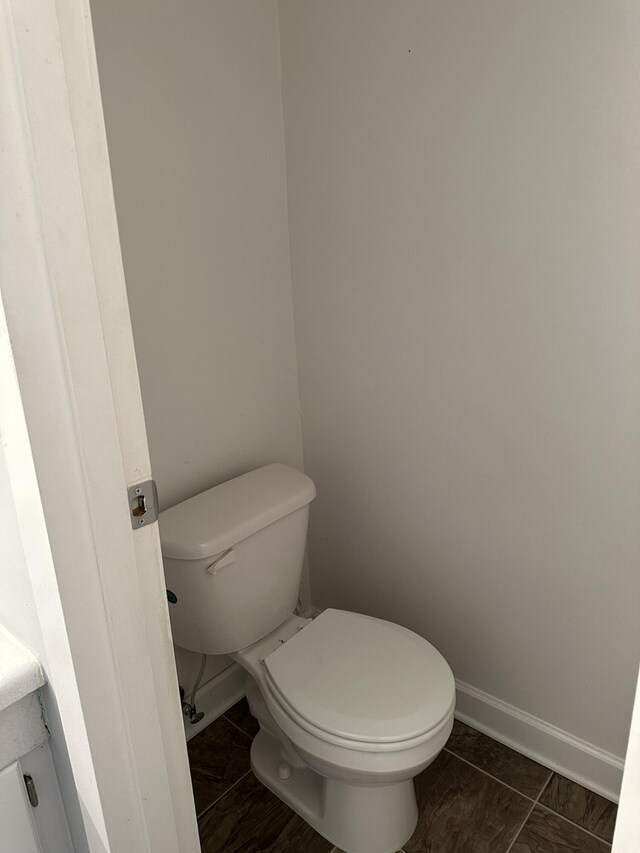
{"x":226,"y":558}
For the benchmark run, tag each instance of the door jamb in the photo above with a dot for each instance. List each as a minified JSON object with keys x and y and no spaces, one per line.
{"x":68,"y":322}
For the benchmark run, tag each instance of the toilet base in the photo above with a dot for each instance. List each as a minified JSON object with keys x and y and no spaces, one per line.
{"x":356,"y":818}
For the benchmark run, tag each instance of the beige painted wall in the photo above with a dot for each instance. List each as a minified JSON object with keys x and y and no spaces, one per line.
{"x":193,"y":110}
{"x":464,"y":217}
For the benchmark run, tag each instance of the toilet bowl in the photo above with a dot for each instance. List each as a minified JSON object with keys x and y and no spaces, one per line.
{"x":346,"y":763}
{"x":350,"y":707}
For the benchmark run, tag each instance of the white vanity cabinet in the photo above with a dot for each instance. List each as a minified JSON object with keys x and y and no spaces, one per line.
{"x":26,"y":827}
{"x":17,"y":828}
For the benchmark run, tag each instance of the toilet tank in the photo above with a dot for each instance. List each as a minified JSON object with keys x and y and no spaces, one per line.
{"x":233,"y":558}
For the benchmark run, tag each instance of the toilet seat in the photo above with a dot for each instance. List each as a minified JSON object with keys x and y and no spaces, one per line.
{"x":361,"y":683}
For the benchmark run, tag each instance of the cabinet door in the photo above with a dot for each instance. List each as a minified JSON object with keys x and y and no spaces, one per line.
{"x":17,"y":830}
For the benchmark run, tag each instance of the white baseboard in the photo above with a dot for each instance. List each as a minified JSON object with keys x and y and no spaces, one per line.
{"x":570,"y":756}
{"x":216,"y":697}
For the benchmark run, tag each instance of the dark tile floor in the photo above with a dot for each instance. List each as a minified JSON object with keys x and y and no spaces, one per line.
{"x":477,"y":797}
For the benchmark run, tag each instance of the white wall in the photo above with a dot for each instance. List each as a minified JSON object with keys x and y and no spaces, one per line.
{"x":464,"y":212}
{"x":192,"y":103}
{"x":193,"y":110}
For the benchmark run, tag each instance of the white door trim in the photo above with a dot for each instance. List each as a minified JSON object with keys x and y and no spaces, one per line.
{"x":67,"y":319}
{"x":627,"y":833}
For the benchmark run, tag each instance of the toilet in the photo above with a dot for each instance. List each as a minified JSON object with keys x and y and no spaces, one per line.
{"x":350,"y":707}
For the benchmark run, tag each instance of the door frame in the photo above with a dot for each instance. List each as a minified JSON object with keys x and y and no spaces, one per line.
{"x":626,"y":838}
{"x":76,"y":439}
{"x":78,"y":398}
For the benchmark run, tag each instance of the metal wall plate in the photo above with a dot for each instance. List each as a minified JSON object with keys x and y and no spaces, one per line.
{"x":143,"y":504}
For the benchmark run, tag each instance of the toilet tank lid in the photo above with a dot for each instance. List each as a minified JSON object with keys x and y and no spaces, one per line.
{"x":219,"y":518}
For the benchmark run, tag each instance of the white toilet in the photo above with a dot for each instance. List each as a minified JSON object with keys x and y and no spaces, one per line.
{"x":350,"y":707}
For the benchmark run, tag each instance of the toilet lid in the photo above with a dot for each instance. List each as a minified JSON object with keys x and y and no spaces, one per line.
{"x":362,"y":678}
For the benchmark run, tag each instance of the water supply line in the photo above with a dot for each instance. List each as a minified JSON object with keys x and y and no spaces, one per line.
{"x":189,"y":707}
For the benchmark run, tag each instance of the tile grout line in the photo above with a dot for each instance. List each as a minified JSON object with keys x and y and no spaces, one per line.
{"x":573,"y":823}
{"x":235,"y":725}
{"x":521,"y":827}
{"x":530,"y":812}
{"x":535,"y":802}
{"x":224,"y":794}
{"x":495,"y":778}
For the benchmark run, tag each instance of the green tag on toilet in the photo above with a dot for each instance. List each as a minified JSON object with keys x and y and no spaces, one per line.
{"x":172,"y":597}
